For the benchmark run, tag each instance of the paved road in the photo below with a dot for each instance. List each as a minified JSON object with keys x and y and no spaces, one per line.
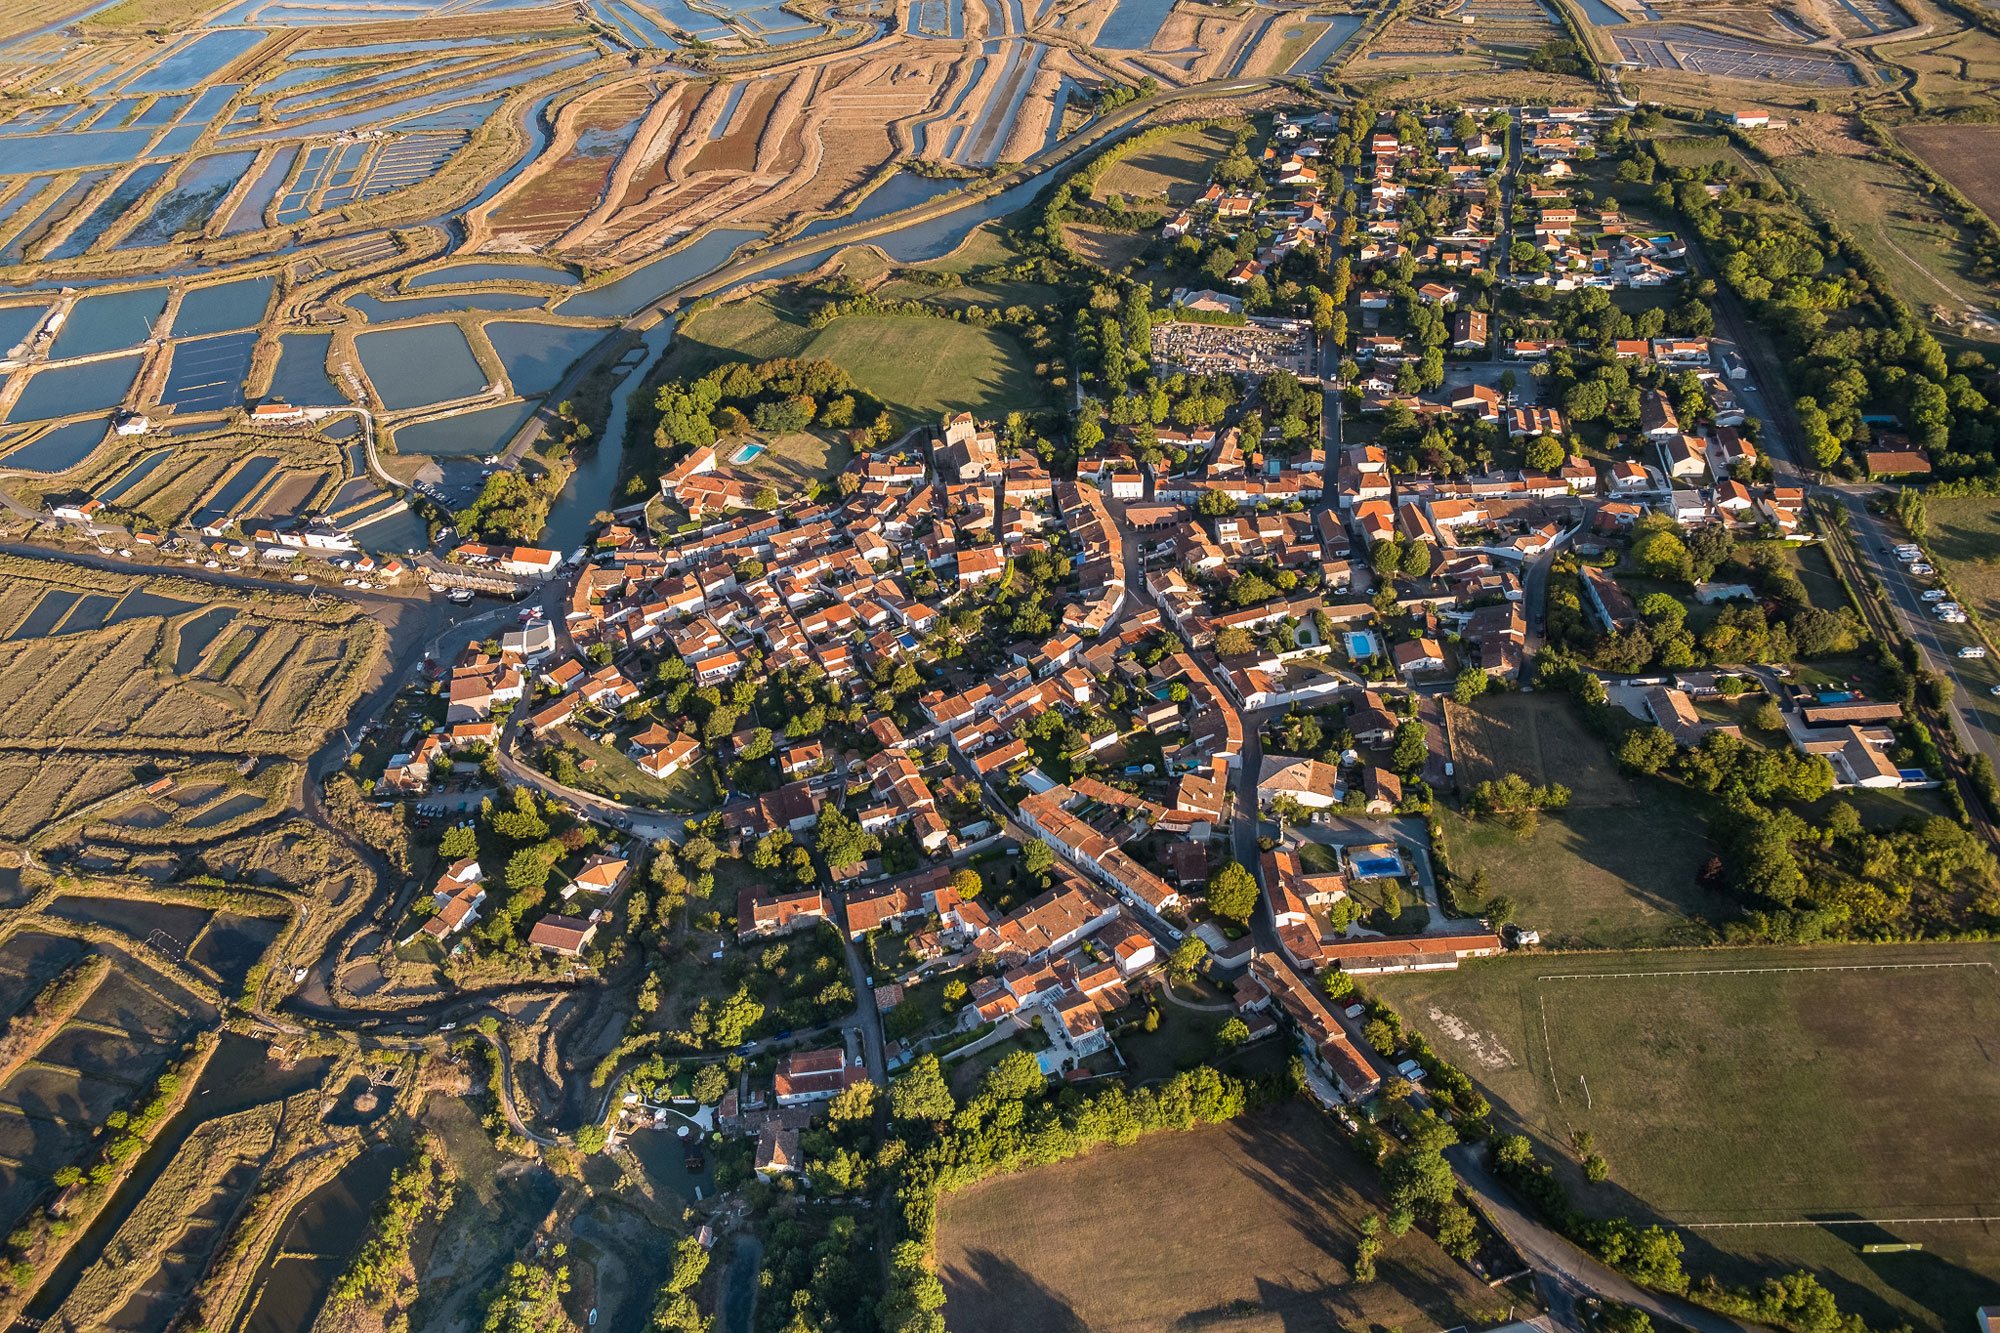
{"x":1565,"y":1273}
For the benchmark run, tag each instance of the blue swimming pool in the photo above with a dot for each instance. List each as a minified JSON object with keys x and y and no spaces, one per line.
{"x":1377,"y":867}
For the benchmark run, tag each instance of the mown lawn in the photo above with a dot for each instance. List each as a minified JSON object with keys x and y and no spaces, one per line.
{"x":926,"y":369}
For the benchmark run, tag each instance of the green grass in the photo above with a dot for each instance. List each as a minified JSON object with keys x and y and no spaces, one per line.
{"x":921,"y":368}
{"x":1917,"y":245}
{"x":1701,"y":151}
{"x":790,"y":461}
{"x":1965,"y":535}
{"x":925,"y":369}
{"x":615,"y":775}
{"x":1730,"y":1086}
{"x":1170,"y":171}
{"x":1609,"y":877}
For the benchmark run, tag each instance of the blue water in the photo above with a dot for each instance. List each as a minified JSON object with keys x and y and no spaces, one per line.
{"x":222,"y":307}
{"x":1133,"y":24}
{"x":483,"y":431}
{"x":64,"y":391}
{"x":207,"y":373}
{"x":61,"y":449}
{"x":1340,"y":30}
{"x":190,"y":65}
{"x":18,"y":321}
{"x":536,"y":355}
{"x":136,"y":183}
{"x":109,"y":322}
{"x":27,"y":154}
{"x":425,"y":363}
{"x":301,"y":374}
{"x":656,"y":278}
{"x":902,"y":190}
{"x":1601,"y":14}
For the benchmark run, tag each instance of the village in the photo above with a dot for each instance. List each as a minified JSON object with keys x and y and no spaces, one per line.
{"x":1245,"y":654}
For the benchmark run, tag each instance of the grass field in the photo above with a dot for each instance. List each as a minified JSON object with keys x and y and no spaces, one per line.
{"x":1965,"y":534}
{"x":1540,"y":737}
{"x":1611,"y":877}
{"x":615,"y":775}
{"x":1919,"y":247}
{"x":1251,"y":1225}
{"x":1704,"y":150}
{"x":1108,"y":249}
{"x":921,"y":368}
{"x":925,"y":369}
{"x":1171,"y":171}
{"x":1756,"y":1086}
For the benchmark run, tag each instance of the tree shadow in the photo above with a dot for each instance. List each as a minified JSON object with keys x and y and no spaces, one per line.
{"x":991,"y":1294}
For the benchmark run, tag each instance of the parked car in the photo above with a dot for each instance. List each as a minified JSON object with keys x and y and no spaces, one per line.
{"x":1934,"y":594}
{"x":1972,"y":650}
{"x":1921,"y":568}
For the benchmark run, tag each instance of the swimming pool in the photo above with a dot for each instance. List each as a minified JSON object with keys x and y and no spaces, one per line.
{"x":1360,"y":644}
{"x":747,"y":452}
{"x":1377,"y":867}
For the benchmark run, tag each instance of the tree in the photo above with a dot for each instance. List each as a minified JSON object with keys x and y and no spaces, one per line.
{"x":1545,"y":453}
{"x":1234,"y":641}
{"x":458,"y":843}
{"x":921,"y":1093}
{"x":1016,"y":1077}
{"x":1472,"y":682}
{"x":710,"y":1085}
{"x":852,"y":1104}
{"x":1186,"y":958}
{"x":966,"y":883}
{"x":1232,"y":1034}
{"x":1411,"y":749}
{"x":1647,"y":750}
{"x":1232,"y":892}
{"x":1038,"y":858}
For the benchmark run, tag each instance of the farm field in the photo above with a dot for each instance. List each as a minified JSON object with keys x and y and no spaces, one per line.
{"x":1920,"y":248}
{"x":1258,"y":1218}
{"x":1966,"y":155}
{"x":1755,"y":1086}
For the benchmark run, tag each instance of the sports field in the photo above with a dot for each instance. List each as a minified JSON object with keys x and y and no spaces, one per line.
{"x":1250,"y":1225}
{"x":1731,"y":1087}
